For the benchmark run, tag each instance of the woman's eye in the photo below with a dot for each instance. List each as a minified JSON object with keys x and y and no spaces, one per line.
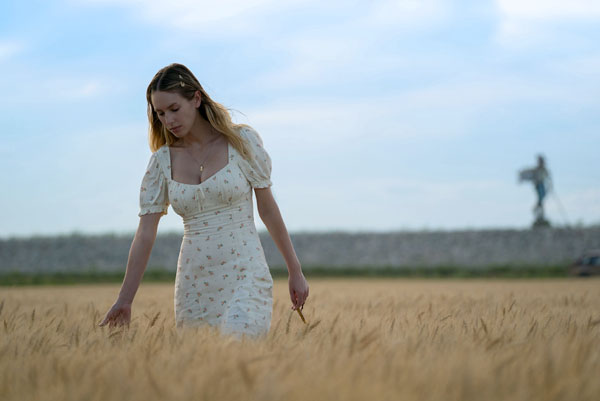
{"x":161,"y":114}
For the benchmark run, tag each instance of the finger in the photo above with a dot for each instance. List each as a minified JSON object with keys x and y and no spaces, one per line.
{"x":106,"y":320}
{"x":111,"y":321}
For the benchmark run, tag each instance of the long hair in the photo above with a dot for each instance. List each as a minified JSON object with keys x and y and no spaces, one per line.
{"x":178,"y":78}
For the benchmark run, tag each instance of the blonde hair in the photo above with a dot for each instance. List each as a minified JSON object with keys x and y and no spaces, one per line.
{"x":178,"y":78}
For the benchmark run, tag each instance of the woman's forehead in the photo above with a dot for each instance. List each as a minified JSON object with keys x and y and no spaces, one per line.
{"x":164,"y":99}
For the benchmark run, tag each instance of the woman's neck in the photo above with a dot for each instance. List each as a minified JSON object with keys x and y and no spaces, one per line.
{"x":201,"y":134}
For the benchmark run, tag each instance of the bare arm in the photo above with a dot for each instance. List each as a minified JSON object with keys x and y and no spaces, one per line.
{"x":271,"y":216}
{"x":139,"y":253}
{"x":269,"y":213}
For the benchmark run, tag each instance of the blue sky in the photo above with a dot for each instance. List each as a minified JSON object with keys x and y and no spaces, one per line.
{"x":378,"y":115}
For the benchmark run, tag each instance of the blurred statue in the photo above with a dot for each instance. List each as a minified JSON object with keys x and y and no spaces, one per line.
{"x":542,"y":183}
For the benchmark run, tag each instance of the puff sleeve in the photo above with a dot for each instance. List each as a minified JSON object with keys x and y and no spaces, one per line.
{"x":258,"y":169}
{"x":154,"y":197}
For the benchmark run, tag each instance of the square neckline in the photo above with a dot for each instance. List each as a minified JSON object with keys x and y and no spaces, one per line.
{"x":170,"y":168}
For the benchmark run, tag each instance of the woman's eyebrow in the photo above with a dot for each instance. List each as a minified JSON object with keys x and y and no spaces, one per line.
{"x":171,"y":105}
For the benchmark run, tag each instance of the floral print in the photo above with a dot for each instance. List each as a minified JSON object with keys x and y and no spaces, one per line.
{"x":222,"y":275}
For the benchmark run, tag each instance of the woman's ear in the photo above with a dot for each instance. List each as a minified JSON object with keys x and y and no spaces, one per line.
{"x":197,"y":99}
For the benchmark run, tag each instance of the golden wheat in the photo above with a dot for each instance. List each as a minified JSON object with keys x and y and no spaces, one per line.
{"x":380,"y":339}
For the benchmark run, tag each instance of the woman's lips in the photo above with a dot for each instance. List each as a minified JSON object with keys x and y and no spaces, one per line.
{"x":175,"y":128}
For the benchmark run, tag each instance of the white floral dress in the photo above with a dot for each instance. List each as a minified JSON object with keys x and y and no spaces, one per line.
{"x":222,"y":276}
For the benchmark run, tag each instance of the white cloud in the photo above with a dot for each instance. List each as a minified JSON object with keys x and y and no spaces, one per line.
{"x":588,"y":65}
{"x":549,"y":9}
{"x":74,"y":89}
{"x":238,"y":17}
{"x":226,"y":17}
{"x":391,"y":203}
{"x":329,"y":121}
{"x":315,"y":58}
{"x":347,"y":49}
{"x":9,"y":48}
{"x":33,"y":87}
{"x":407,"y":13}
{"x":524,"y":23}
{"x":439,"y":111}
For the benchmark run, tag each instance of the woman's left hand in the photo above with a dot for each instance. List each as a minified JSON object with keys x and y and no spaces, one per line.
{"x":298,"y":289}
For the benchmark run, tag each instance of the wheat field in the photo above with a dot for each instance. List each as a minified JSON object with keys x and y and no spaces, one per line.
{"x":375,"y":339}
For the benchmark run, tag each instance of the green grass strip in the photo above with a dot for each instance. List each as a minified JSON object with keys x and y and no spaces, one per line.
{"x":163,"y":275}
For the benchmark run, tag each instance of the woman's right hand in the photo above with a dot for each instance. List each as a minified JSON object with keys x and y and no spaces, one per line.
{"x":118,"y":315}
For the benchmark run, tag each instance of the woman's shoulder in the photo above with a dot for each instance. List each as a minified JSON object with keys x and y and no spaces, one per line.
{"x":250,"y":135}
{"x":164,"y":148}
{"x":159,"y":159}
{"x":163,"y":152}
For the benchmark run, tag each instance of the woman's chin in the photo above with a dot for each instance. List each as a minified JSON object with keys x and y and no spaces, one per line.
{"x":179,"y":134}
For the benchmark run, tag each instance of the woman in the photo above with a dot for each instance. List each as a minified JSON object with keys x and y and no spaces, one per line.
{"x":206,"y":166}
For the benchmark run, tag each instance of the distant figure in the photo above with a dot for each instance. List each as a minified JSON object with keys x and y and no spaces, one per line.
{"x":540,"y":177}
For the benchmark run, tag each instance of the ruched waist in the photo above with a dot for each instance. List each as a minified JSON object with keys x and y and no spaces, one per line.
{"x":223,"y":220}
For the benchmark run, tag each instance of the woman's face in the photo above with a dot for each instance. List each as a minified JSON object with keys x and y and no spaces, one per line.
{"x":175,"y":112}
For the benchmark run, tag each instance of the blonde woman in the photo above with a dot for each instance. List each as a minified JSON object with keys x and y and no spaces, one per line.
{"x":206,"y":167}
